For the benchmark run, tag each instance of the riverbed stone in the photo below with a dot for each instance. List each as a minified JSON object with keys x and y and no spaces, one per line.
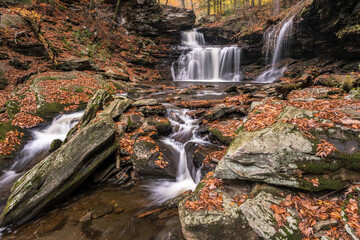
{"x":96,"y":103}
{"x":280,"y":154}
{"x":55,"y":177}
{"x":154,"y":158}
{"x":219,"y":111}
{"x":253,"y":219}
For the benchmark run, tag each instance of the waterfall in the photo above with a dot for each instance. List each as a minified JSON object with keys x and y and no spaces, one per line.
{"x":192,"y":38}
{"x":206,"y":63}
{"x":37,"y":148}
{"x":184,"y":132}
{"x":276,"y":39}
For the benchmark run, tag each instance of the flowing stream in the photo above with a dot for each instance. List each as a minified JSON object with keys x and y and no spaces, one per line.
{"x":185,"y":131}
{"x":35,"y":150}
{"x":205,"y":63}
{"x":281,"y":37}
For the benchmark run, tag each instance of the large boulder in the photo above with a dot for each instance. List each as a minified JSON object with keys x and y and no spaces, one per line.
{"x":282,"y":154}
{"x":52,"y":92}
{"x":154,"y":158}
{"x":55,"y":177}
{"x":239,"y":217}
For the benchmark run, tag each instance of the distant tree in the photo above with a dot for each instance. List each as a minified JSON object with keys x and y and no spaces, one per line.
{"x":276,"y":7}
{"x":183,"y":3}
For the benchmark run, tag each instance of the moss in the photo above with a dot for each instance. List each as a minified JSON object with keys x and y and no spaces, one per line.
{"x":349,"y":161}
{"x":12,"y":107}
{"x":318,"y":166}
{"x":7,"y":127}
{"x":218,"y":134}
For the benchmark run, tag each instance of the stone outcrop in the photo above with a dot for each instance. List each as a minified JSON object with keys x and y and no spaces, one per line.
{"x":148,"y":18}
{"x":328,"y":27}
{"x":253,"y":219}
{"x":282,"y":155}
{"x":55,"y":177}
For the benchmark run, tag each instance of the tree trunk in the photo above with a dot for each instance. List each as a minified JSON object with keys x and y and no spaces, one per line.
{"x":183,"y":3}
{"x":276,"y":7}
{"x":208,"y":7}
{"x":116,"y":9}
{"x":192,"y":5}
{"x":252,"y":3}
{"x":259,"y":1}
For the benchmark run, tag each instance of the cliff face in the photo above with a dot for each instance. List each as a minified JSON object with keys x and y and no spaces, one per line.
{"x":147,"y":18}
{"x":328,"y":27}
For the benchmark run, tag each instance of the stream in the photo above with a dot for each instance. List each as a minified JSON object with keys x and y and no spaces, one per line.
{"x":118,"y":209}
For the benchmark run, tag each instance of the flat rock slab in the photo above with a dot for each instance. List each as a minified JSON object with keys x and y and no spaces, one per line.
{"x":61,"y":172}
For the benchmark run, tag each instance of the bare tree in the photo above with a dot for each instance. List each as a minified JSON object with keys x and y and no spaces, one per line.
{"x":276,"y":7}
{"x":183,"y":3}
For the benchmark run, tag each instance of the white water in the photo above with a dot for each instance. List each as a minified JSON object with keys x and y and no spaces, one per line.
{"x":206,"y":63}
{"x":184,"y":132}
{"x":281,"y":38}
{"x":37,"y":147}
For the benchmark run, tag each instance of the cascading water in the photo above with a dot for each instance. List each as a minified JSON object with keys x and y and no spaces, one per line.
{"x":281,"y":38}
{"x":36,"y":149}
{"x":184,"y":132}
{"x":206,"y":63}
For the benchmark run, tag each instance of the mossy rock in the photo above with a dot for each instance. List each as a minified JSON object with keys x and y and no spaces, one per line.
{"x":7,"y":160}
{"x":281,"y":155}
{"x":61,"y":172}
{"x":12,"y":108}
{"x":251,"y":220}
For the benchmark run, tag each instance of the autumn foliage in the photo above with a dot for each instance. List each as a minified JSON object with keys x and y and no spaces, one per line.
{"x":208,"y":198}
{"x":312,"y":211}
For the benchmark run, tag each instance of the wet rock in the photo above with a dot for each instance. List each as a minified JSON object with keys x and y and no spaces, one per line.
{"x":132,"y":121}
{"x":86,"y":217}
{"x":100,"y":210}
{"x":55,"y":177}
{"x":280,"y":154}
{"x":81,"y":64}
{"x":221,"y":136}
{"x":162,"y":125}
{"x":146,"y":102}
{"x":219,"y":111}
{"x":154,"y":158}
{"x":11,"y":20}
{"x":117,"y":107}
{"x":187,"y":91}
{"x":231,"y":89}
{"x":96,"y":103}
{"x":7,"y":160}
{"x":55,"y":145}
{"x":251,"y":220}
{"x":153,"y":110}
{"x":171,"y":231}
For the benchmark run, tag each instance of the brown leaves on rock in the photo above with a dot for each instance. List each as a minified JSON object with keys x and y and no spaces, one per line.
{"x":263,"y":116}
{"x":325,"y":148}
{"x":227,"y":128}
{"x":26,"y":120}
{"x":312,"y":211}
{"x":306,"y":124}
{"x":209,"y":198}
{"x":214,"y":156}
{"x":12,"y":139}
{"x":238,"y":200}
